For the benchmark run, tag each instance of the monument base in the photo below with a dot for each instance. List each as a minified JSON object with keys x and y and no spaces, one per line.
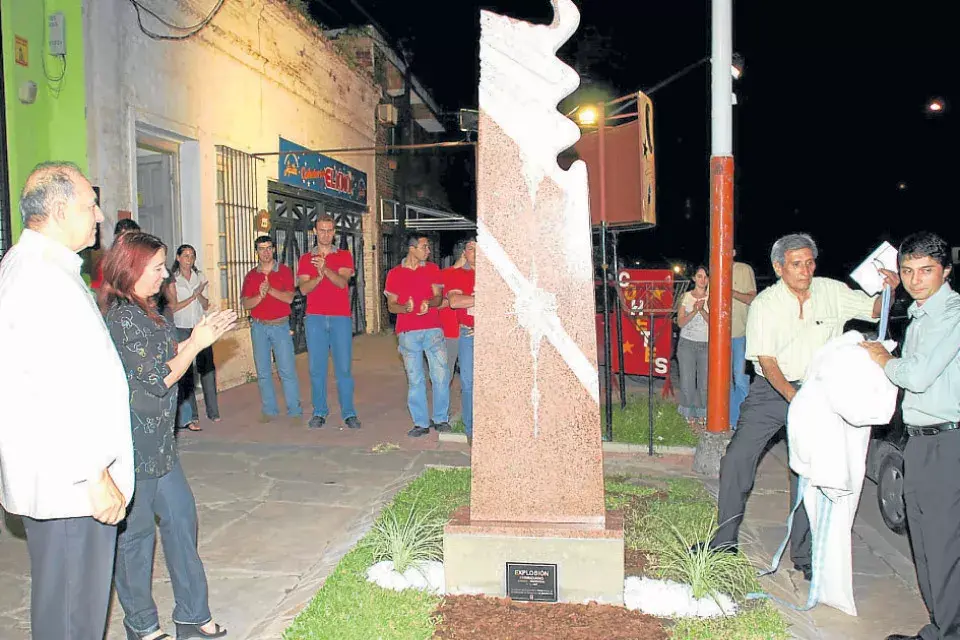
{"x":588,"y":558}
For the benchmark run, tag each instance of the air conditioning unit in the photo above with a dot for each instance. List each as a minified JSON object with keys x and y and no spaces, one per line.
{"x":387,"y":114}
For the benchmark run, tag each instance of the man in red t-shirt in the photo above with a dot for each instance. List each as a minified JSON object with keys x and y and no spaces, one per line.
{"x":448,"y":320}
{"x":324,"y":278}
{"x":414,"y":291}
{"x":458,"y":286}
{"x":267,"y":292}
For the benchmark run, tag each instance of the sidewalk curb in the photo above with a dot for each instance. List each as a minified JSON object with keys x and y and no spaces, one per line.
{"x":608,"y":447}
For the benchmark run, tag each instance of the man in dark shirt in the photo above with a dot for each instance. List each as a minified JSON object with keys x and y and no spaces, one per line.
{"x":267,"y":292}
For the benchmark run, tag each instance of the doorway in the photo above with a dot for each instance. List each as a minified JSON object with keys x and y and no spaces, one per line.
{"x":158,"y":199}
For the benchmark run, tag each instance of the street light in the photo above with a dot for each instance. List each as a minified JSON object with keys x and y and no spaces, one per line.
{"x":587,"y":116}
{"x":935,"y":106}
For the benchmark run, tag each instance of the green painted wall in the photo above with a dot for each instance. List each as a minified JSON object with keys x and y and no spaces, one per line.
{"x":53,"y":127}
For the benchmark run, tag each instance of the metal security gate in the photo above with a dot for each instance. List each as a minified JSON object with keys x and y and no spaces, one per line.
{"x":293,"y":216}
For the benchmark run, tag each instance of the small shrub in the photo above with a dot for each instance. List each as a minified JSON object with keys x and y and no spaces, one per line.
{"x":407,"y":539}
{"x":707,"y":571}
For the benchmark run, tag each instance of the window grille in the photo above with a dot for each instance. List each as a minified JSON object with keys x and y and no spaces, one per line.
{"x":236,"y":217}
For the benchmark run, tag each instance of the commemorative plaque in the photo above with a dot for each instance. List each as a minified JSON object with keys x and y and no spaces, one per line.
{"x":532,"y":582}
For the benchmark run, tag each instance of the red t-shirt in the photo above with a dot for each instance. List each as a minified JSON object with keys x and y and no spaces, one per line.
{"x":448,"y":316}
{"x":416,"y":284}
{"x":271,"y":308}
{"x":461,"y":280}
{"x":327,"y":299}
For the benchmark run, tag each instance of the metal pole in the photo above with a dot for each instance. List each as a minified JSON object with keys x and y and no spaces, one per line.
{"x":651,"y":356}
{"x":607,"y":354}
{"x":621,"y":374}
{"x":721,"y":219}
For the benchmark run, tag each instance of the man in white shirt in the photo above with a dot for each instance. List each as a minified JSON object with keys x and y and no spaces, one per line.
{"x":66,"y":451}
{"x":786,"y":324}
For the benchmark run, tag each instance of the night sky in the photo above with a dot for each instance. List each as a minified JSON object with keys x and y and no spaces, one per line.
{"x":831,"y":115}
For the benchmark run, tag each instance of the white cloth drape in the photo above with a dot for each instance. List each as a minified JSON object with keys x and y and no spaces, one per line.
{"x":844,"y":391}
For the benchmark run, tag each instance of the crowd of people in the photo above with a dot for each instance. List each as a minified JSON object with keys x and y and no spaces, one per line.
{"x":92,"y":506}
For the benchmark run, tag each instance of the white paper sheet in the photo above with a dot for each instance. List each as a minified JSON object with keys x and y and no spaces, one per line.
{"x":867,"y":275}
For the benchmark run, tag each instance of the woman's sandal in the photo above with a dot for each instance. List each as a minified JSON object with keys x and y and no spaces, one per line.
{"x":193,"y":426}
{"x":133,"y":635}
{"x":187,"y":631}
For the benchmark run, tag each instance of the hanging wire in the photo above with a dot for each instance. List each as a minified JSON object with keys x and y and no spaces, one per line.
{"x":191,"y":30}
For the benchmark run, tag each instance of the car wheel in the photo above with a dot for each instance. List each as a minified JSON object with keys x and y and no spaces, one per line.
{"x":890,"y":492}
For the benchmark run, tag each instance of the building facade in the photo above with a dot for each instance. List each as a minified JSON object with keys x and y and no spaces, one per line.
{"x":200,"y":140}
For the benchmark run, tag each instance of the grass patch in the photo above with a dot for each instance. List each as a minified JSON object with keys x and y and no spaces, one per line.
{"x":632,"y":425}
{"x":670,"y":429}
{"x":756,"y":621}
{"x":350,"y":608}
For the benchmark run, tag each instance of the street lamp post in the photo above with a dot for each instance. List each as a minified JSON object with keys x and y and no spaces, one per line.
{"x":721,"y":219}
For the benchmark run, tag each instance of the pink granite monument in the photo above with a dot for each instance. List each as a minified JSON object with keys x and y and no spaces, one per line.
{"x":537,"y":494}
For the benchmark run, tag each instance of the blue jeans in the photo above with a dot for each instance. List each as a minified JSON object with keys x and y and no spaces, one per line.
{"x":275,"y":339}
{"x":465,"y":355}
{"x":741,"y":381}
{"x":413,"y":346}
{"x":326,"y":334}
{"x":168,"y":498}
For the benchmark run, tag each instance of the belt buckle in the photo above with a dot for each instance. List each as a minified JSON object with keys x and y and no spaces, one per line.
{"x":929,"y":431}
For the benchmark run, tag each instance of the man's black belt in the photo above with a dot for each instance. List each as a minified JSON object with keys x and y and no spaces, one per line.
{"x":932,"y":429}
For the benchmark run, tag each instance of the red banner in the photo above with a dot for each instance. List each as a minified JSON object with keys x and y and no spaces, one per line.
{"x":645,"y":295}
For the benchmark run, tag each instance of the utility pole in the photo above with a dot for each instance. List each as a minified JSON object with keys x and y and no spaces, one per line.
{"x":721,"y":218}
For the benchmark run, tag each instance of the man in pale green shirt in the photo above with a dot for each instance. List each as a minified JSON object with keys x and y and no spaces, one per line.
{"x":928,"y":370}
{"x":786,"y":324}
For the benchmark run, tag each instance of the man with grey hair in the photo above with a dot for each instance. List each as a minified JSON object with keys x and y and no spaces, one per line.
{"x":66,"y":451}
{"x":786,"y":324}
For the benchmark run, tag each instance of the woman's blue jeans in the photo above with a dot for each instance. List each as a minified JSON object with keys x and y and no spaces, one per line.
{"x":170,"y":500}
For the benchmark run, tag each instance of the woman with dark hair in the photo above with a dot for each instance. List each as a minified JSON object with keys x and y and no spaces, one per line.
{"x":693,"y":317}
{"x":134,"y":270}
{"x":186,"y":299}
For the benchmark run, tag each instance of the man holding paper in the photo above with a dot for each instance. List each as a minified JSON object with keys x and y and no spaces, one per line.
{"x":787,"y":323}
{"x":928,"y":370}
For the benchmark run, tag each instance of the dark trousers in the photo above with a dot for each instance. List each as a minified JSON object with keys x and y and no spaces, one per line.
{"x":762,"y":415}
{"x":931,"y":486}
{"x":71,"y":567}
{"x":187,"y":387}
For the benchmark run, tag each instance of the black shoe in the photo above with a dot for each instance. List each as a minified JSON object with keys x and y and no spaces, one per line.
{"x":317,"y":422}
{"x":416,"y":432}
{"x":469,"y":441}
{"x":730,"y":547}
{"x":442,"y":427}
{"x":352,"y":422}
{"x":900,"y":636}
{"x":807,"y":572}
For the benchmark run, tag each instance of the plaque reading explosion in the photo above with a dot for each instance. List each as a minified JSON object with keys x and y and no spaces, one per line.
{"x":532,"y":582}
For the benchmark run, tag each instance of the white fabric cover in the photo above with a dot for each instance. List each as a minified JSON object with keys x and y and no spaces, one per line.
{"x":844,"y":390}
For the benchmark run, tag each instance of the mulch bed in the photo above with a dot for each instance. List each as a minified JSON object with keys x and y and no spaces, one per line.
{"x":482,"y":618}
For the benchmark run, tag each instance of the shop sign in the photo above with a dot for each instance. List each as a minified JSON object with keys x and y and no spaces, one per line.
{"x":317,"y":172}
